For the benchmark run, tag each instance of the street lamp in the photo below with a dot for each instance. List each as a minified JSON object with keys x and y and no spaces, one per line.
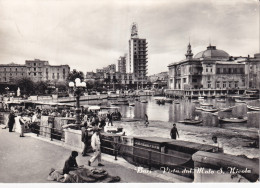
{"x":77,"y":87}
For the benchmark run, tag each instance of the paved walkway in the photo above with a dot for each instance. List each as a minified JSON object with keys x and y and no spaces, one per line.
{"x":28,"y":160}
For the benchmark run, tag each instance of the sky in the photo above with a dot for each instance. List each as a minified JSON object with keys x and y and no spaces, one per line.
{"x":91,"y":34}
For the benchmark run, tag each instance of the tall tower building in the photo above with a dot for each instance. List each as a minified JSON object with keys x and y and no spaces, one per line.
{"x":137,"y":56}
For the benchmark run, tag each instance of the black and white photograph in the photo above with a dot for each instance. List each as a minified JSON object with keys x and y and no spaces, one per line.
{"x":129,"y":91}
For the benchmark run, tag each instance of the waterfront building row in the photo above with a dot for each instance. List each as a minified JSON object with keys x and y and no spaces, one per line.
{"x":37,"y":70}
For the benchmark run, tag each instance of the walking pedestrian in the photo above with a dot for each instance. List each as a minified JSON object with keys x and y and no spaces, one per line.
{"x":109,"y":117}
{"x":95,"y":143}
{"x":146,"y":122}
{"x":11,"y":121}
{"x":174,"y":132}
{"x":84,"y":138}
{"x":22,"y":123}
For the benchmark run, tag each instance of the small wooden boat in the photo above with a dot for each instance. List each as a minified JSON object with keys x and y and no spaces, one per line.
{"x":143,"y":101}
{"x":176,"y":102}
{"x":132,"y":104}
{"x":233,"y":120}
{"x":253,"y":108}
{"x":210,"y":109}
{"x":168,"y":100}
{"x":228,"y":109}
{"x":196,"y":101}
{"x":206,"y":104}
{"x":190,"y":121}
{"x":239,"y":101}
{"x":200,"y":98}
{"x":160,"y":101}
{"x":221,"y":100}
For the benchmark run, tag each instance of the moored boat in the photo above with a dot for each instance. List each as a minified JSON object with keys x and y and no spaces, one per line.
{"x":206,"y":104}
{"x":143,"y":101}
{"x":132,"y":104}
{"x":221,"y":100}
{"x":210,"y":109}
{"x":233,"y":120}
{"x":239,"y":101}
{"x":190,"y":121}
{"x":253,"y":108}
{"x":228,"y":109}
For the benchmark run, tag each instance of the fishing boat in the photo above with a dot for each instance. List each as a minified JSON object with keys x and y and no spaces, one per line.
{"x":176,"y":102}
{"x":160,"y":101}
{"x":239,"y":101}
{"x":253,"y":108}
{"x":143,"y":101}
{"x":190,"y":121}
{"x":233,"y":120}
{"x":168,"y":100}
{"x":228,"y":109}
{"x":132,"y":104}
{"x":206,"y":104}
{"x":221,"y":100}
{"x":210,"y":109}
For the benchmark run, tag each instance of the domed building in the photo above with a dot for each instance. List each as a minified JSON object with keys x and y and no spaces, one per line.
{"x":209,"y":73}
{"x":213,"y":53}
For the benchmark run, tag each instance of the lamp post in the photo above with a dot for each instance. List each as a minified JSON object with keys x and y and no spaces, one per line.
{"x":77,"y":87}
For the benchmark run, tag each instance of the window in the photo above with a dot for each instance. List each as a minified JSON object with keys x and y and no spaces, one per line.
{"x":210,"y":70}
{"x":209,"y":84}
{"x":241,"y":70}
{"x":184,"y":80}
{"x":34,"y":69}
{"x":194,"y":80}
{"x":218,"y":85}
{"x":224,"y":85}
{"x":206,"y":69}
{"x":218,"y":70}
{"x":236,"y":84}
{"x":58,"y":76}
{"x":16,"y":69}
{"x":53,"y":76}
{"x":35,"y":74}
{"x":34,"y":64}
{"x":234,"y":70}
{"x":224,"y":70}
{"x":229,"y":71}
{"x":229,"y":84}
{"x":208,"y":77}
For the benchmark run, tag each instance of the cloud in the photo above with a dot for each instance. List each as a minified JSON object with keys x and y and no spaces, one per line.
{"x":92,"y":34}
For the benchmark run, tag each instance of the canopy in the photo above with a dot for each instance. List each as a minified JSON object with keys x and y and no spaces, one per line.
{"x":94,"y":108}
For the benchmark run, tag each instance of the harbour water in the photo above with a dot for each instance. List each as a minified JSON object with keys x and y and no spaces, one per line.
{"x":235,"y":137}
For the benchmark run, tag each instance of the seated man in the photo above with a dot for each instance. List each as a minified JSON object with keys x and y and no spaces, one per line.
{"x":70,"y":163}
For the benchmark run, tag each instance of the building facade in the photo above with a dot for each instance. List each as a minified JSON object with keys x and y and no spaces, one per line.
{"x":213,"y":69}
{"x":137,"y":56}
{"x":11,"y":72}
{"x":122,"y":64}
{"x":36,"y":70}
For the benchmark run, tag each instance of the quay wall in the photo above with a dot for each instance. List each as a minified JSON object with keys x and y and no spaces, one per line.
{"x":220,"y":167}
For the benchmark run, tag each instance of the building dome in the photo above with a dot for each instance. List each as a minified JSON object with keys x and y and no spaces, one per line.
{"x":212,"y":52}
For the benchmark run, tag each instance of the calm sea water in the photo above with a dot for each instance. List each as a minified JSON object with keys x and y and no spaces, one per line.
{"x":186,"y":108}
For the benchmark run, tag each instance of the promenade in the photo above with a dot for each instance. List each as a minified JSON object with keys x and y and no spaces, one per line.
{"x":29,"y":159}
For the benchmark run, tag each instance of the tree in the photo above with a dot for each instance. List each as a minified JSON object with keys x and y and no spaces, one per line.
{"x":41,"y":87}
{"x":26,"y":85}
{"x":75,"y":74}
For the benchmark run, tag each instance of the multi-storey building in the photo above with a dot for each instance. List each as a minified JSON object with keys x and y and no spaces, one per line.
{"x":119,"y":78}
{"x":137,"y":56}
{"x":37,"y":70}
{"x":122,"y":64}
{"x":10,"y":72}
{"x":110,"y":68}
{"x":212,"y":71}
